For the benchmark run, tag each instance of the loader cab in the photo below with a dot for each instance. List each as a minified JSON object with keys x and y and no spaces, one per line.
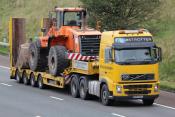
{"x":70,"y":17}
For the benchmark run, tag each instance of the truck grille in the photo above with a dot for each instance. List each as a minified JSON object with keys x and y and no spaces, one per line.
{"x":137,"y":89}
{"x":137,"y":86}
{"x":134,"y":77}
{"x":90,"y":45}
{"x":137,"y":92}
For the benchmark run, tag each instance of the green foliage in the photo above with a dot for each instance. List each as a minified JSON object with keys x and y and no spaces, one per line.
{"x":32,"y":10}
{"x":121,"y":14}
{"x":4,"y":50}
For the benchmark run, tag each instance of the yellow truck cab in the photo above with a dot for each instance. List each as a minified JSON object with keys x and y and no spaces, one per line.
{"x":128,"y":66}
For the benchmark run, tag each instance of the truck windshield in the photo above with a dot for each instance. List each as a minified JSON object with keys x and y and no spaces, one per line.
{"x":135,"y":56}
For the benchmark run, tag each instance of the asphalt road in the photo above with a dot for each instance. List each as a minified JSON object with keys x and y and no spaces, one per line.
{"x":18,"y":100}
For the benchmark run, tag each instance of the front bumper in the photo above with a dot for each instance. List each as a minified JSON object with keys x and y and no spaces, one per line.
{"x":133,"y":97}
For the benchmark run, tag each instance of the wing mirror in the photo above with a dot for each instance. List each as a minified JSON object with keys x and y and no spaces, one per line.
{"x":159,"y":54}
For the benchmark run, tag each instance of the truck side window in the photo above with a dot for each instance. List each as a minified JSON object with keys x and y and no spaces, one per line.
{"x":108,"y":55}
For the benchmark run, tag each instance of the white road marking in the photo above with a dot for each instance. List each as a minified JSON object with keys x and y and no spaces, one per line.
{"x":115,"y":114}
{"x":4,"y":67}
{"x":6,"y":84}
{"x":169,"y":107}
{"x":56,"y":98}
{"x":37,"y":116}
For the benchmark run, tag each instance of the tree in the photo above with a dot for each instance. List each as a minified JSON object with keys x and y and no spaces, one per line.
{"x":120,"y":14}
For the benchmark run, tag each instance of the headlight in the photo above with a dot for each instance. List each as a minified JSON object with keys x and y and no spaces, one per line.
{"x":156,"y":87}
{"x":119,"y":89}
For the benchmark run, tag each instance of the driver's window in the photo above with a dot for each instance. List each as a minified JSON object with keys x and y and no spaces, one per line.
{"x":71,"y":18}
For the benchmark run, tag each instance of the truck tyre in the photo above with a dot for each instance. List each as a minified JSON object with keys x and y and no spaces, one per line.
{"x":32,"y":80}
{"x":148,"y":102}
{"x":75,"y":86}
{"x":37,"y":60}
{"x":18,"y":77}
{"x":41,"y":85}
{"x":84,"y":88}
{"x":105,"y":96}
{"x":57,"y":60}
{"x":25,"y":78}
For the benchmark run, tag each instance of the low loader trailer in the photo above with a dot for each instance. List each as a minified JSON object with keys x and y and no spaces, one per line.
{"x":126,"y":67}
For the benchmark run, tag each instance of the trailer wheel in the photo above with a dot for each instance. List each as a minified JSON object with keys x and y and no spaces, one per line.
{"x":18,"y":77}
{"x":57,"y":60}
{"x":41,"y":85}
{"x":84,"y":88}
{"x":75,"y":86}
{"x":25,"y":78}
{"x":37,"y":60}
{"x":32,"y":80}
{"x":105,"y":95}
{"x":148,"y":102}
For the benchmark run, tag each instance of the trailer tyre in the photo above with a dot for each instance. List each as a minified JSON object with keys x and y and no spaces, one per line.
{"x":105,"y":96}
{"x":75,"y":86}
{"x":84,"y":88}
{"x":25,"y":79}
{"x":18,"y":77}
{"x":37,"y":60}
{"x":148,"y":102}
{"x":32,"y":80}
{"x":41,"y":85}
{"x":57,"y":60}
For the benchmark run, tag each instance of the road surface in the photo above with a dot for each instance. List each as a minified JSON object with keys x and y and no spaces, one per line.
{"x":18,"y":100}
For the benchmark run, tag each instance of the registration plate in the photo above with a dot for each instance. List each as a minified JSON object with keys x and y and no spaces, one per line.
{"x":137,"y":97}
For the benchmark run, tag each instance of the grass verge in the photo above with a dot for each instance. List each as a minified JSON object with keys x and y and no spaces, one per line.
{"x":167,"y":86}
{"x":4,"y":50}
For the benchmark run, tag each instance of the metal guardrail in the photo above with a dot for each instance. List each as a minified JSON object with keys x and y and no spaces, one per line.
{"x":4,"y":44}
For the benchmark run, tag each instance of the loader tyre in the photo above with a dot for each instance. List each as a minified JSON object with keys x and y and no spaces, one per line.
{"x":37,"y":60}
{"x":57,"y":60}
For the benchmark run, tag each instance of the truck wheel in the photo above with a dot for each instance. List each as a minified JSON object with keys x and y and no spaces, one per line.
{"x":57,"y":61}
{"x":41,"y":85}
{"x":32,"y":80}
{"x":37,"y":60}
{"x":25,"y":78}
{"x":148,"y":102}
{"x":105,"y":96}
{"x":84,"y":88}
{"x":18,"y":77}
{"x":75,"y":86}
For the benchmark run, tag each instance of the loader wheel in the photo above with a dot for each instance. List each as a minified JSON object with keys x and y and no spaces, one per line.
{"x":57,"y":60}
{"x":84,"y":88}
{"x":37,"y":60}
{"x":74,"y":86}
